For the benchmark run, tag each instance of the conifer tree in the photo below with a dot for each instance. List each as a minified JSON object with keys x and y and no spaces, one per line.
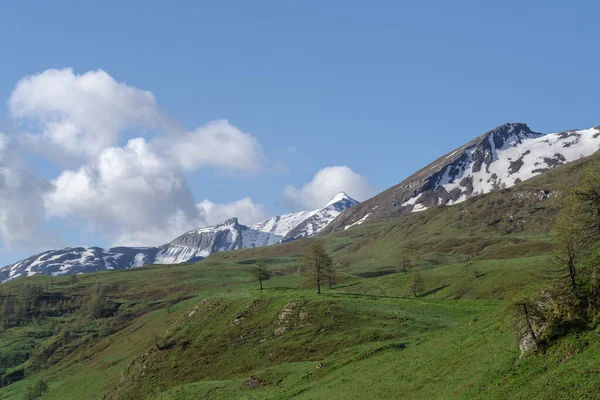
{"x":260,"y":272}
{"x":589,"y":194}
{"x":332,"y":275}
{"x":417,"y":284}
{"x":316,"y":265}
{"x":8,"y":311}
{"x":571,"y":243}
{"x":404,"y":264}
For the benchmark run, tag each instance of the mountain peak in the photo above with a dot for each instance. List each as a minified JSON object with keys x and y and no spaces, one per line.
{"x":319,"y":219}
{"x":341,"y":196}
{"x":510,"y":126}
{"x":499,"y":158}
{"x":230,"y":222}
{"x":510,"y":132}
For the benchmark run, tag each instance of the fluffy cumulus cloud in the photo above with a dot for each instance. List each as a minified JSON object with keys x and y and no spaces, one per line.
{"x":327,"y":183}
{"x":132,"y":194}
{"x":21,"y":204}
{"x":68,"y":116}
{"x":139,"y":196}
{"x":217,"y":144}
{"x":247,"y":211}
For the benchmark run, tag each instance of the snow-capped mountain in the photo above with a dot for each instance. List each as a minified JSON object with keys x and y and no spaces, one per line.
{"x":200,"y":243}
{"x":231,"y":235}
{"x":189,"y":247}
{"x":320,"y":218}
{"x":76,"y":260}
{"x":498,"y":159}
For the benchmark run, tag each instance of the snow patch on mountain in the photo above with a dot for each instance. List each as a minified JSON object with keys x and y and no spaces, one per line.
{"x":518,"y":158}
{"x":200,"y":243}
{"x":321,"y":218}
{"x":500,"y":158}
{"x":274,"y":229}
{"x":360,"y":221}
{"x":189,"y":247}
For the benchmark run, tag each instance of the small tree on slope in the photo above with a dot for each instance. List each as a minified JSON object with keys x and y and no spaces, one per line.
{"x":571,"y":244}
{"x":260,"y":273}
{"x":404,"y":264}
{"x":589,"y":194}
{"x":416,"y":284}
{"x":317,"y":265}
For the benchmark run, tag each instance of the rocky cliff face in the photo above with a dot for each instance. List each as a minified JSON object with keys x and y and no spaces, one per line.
{"x":500,"y":158}
{"x":200,"y":243}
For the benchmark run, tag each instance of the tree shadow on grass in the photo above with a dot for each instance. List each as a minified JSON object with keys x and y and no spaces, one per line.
{"x":433,"y":291}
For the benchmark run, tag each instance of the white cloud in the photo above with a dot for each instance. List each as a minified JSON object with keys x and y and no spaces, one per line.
{"x":71,"y":117}
{"x":327,"y":183}
{"x":21,"y":206}
{"x":217,"y":144}
{"x":130,"y":193}
{"x":134,"y":194}
{"x":138,"y":197}
{"x":173,"y":226}
{"x":245,"y":209}
{"x":79,"y":115}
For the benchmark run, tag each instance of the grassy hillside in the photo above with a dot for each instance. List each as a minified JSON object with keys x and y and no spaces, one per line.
{"x":206,"y":331}
{"x":514,"y":222}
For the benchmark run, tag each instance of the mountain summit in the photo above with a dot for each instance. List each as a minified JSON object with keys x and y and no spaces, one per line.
{"x":498,"y":159}
{"x":189,"y":247}
{"x":321,"y":218}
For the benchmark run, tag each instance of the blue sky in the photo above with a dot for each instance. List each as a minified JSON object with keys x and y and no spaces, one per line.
{"x":381,"y":87}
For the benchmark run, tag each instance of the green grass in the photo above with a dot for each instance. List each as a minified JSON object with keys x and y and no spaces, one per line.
{"x":388,"y":353}
{"x":478,"y":279}
{"x":372,"y":337}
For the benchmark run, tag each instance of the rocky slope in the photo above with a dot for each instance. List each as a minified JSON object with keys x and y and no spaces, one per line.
{"x":321,"y":218}
{"x":498,"y":159}
{"x":189,"y":247}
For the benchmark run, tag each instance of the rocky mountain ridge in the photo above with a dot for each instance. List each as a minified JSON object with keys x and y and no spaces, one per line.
{"x":498,"y":159}
{"x":190,"y":247}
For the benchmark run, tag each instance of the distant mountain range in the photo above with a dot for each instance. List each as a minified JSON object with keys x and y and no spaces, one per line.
{"x":498,"y":159}
{"x":189,"y":247}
